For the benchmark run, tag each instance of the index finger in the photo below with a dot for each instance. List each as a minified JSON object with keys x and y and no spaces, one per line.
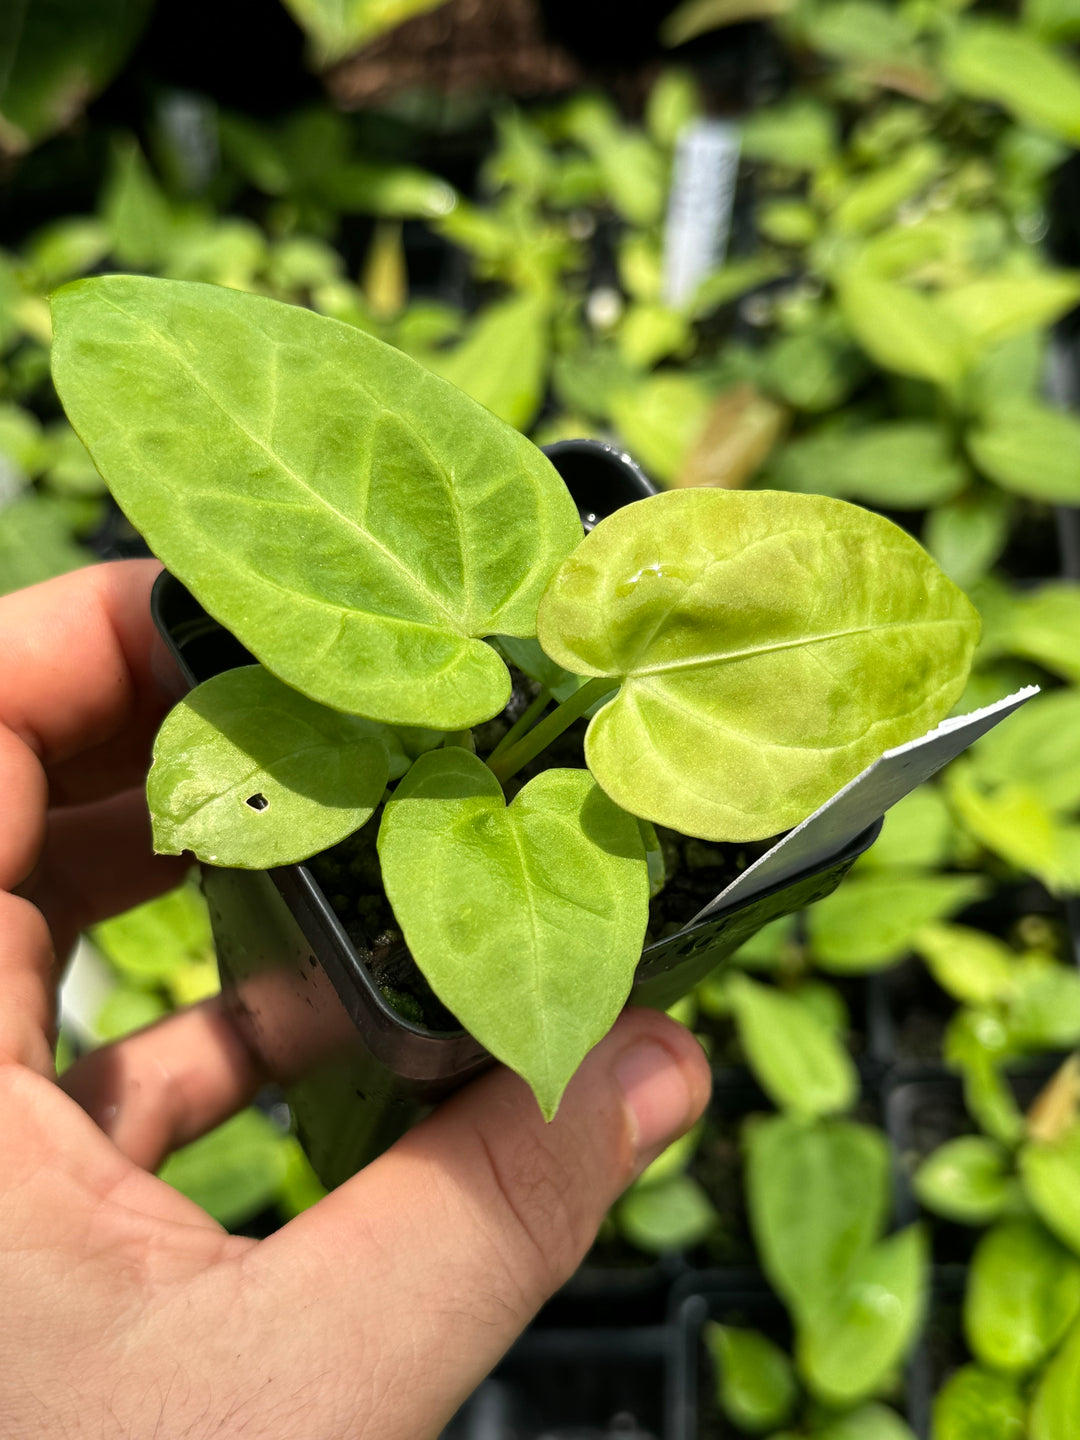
{"x":84,"y":676}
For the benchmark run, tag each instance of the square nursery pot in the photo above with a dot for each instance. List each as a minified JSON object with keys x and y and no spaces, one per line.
{"x":356,"y":1073}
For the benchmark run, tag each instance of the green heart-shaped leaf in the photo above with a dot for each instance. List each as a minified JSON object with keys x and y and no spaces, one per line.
{"x":249,"y":773}
{"x":228,"y":426}
{"x":527,"y":919}
{"x":770,"y":646}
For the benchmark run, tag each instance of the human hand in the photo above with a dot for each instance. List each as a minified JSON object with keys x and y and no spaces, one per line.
{"x":126,"y":1310}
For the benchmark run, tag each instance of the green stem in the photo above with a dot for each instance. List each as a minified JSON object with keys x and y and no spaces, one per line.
{"x":541,"y":736}
{"x":524,"y":722}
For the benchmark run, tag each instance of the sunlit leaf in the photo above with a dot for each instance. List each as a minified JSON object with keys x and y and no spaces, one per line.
{"x":1037,"y":748}
{"x":502,"y":363}
{"x":818,"y":1193}
{"x":966,"y":1179}
{"x":868,"y":1422}
{"x":851,"y":1342}
{"x":697,"y":17}
{"x":564,"y":872}
{"x":337,"y":27}
{"x":756,"y":1384}
{"x":975,"y":1404}
{"x":1023,"y":1293}
{"x":249,"y":773}
{"x":153,"y":940}
{"x":904,"y":330}
{"x":801,"y":1063}
{"x":800,"y":134}
{"x":970,"y":965}
{"x":737,"y":735}
{"x":427,"y":523}
{"x":873,"y":919}
{"x":993,"y":60}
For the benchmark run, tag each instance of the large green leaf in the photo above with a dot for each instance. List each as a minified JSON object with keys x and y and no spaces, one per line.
{"x":249,"y":773}
{"x":527,"y":919}
{"x":848,"y":640}
{"x":337,"y":27}
{"x":1056,"y":1403}
{"x":873,"y":919}
{"x":1023,"y":1293}
{"x":993,"y":60}
{"x":818,"y":1193}
{"x":1030,"y":449}
{"x":1050,"y":1170}
{"x":756,"y":1383}
{"x":966,"y":1179}
{"x":849,"y":1345}
{"x":799,"y":1060}
{"x":358,"y":523}
{"x":975,"y":1404}
{"x":55,"y":55}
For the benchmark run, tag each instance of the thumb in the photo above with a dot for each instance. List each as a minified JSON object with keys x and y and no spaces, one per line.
{"x":410,"y":1281}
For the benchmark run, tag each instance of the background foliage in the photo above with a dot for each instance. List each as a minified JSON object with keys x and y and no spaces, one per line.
{"x":890,"y":324}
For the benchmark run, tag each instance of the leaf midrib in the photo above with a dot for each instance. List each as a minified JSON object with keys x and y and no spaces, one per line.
{"x":278,"y":460}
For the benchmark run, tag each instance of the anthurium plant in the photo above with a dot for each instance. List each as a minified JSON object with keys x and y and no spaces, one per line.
{"x":381,"y":544}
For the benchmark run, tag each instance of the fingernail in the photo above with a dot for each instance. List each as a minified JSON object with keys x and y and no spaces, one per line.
{"x":655,"y":1092}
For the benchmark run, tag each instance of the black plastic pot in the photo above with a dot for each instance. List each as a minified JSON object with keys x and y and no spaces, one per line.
{"x":355,"y":1072}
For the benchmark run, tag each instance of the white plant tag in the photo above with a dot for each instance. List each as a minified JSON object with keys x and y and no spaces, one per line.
{"x":699,"y":210}
{"x":861,"y":801}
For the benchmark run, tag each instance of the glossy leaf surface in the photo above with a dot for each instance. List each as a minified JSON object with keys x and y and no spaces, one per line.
{"x":850,"y":1343}
{"x":976,"y":1404}
{"x":427,"y":523}
{"x":527,"y":920}
{"x":966,"y":1179}
{"x":818,"y":1194}
{"x":843,"y":640}
{"x":249,"y":773}
{"x":801,"y":1063}
{"x":1023,"y":1293}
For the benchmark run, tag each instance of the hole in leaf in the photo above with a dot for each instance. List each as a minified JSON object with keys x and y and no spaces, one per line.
{"x":257,"y":802}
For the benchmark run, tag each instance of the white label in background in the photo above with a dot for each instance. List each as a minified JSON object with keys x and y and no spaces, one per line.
{"x":700,"y":205}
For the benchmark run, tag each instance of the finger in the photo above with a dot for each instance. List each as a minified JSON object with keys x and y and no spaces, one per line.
{"x":447,"y":1245}
{"x":98,"y":860}
{"x":83,"y":674}
{"x":168,"y":1084}
{"x":27,"y":986}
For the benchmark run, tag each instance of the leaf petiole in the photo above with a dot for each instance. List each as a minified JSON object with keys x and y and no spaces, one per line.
{"x":523,"y":723}
{"x":549,"y":729}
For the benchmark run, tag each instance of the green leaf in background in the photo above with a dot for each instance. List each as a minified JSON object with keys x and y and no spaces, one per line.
{"x":137,"y":216}
{"x":36,"y":543}
{"x":868,"y":1422}
{"x":968,"y":964}
{"x":249,"y":773}
{"x":872,"y":199}
{"x":873,"y":919}
{"x":851,"y":1342}
{"x":660,"y":419}
{"x":503,"y":361}
{"x":756,"y":1385}
{"x":738,"y":738}
{"x":814,"y":370}
{"x":1037,"y":748}
{"x":337,"y":27}
{"x":697,"y":17}
{"x":1023,"y":1293}
{"x":818,"y":1193}
{"x":800,"y":134}
{"x":1010,"y":371}
{"x":966,"y":1180}
{"x":56,"y":55}
{"x":967,"y":534}
{"x":527,"y":655}
{"x":801,"y":1064}
{"x":631,"y":166}
{"x":919,"y":832}
{"x":993,"y":60}
{"x":564,"y":872}
{"x":1014,"y":822}
{"x":976,"y":1404}
{"x":901,"y":465}
{"x":1050,"y":1171}
{"x":860,"y":30}
{"x":669,"y":1215}
{"x":997,"y":308}
{"x":1056,"y":1402}
{"x":1043,"y":626}
{"x":428,"y":523}
{"x":1053,"y":19}
{"x":234,"y":1171}
{"x":1045,"y":1014}
{"x":976,"y":1044}
{"x":1031,"y":450}
{"x":150,"y":942}
{"x":22,"y":449}
{"x":127,"y":1008}
{"x":903,"y":330}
